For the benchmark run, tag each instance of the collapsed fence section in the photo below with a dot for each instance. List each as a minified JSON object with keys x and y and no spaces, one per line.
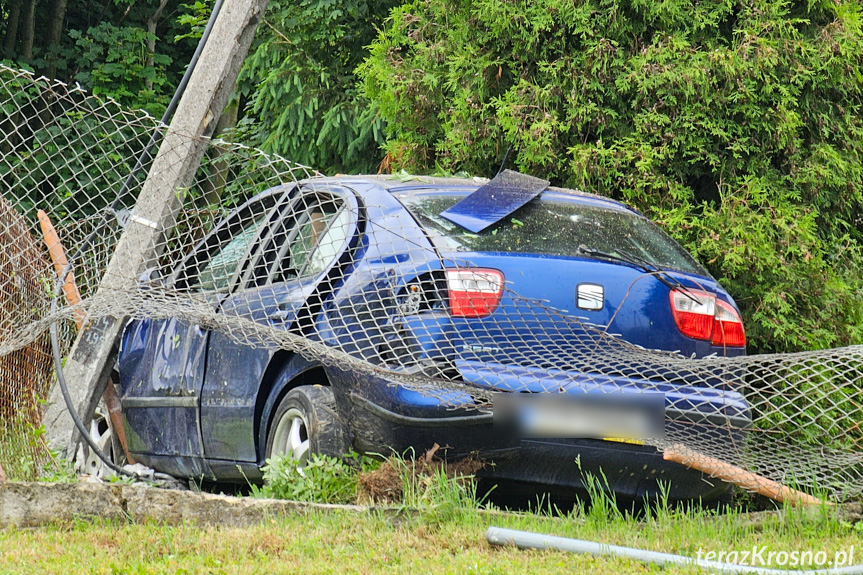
{"x":364,"y":279}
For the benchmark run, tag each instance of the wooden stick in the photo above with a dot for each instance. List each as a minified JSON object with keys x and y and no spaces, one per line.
{"x":58,"y":257}
{"x":738,"y":476}
{"x":73,"y":298}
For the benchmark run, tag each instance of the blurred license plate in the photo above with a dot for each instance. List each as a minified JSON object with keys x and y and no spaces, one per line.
{"x":621,"y":417}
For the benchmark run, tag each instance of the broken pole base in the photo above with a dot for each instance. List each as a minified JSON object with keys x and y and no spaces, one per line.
{"x":87,"y":362}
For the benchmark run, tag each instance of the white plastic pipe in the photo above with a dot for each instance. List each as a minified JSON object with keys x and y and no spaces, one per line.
{"x":528,"y":540}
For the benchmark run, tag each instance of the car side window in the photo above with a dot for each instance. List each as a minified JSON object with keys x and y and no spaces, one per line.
{"x":328,"y":243}
{"x":306,"y":238}
{"x":312,"y":223}
{"x":223,"y":265}
{"x":301,"y":254}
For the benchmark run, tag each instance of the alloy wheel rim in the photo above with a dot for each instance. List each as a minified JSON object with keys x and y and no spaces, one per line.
{"x":292,"y":438}
{"x":102,"y":434}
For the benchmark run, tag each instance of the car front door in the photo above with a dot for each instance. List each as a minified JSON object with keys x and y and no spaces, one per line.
{"x":276,"y":298}
{"x":163,"y":360}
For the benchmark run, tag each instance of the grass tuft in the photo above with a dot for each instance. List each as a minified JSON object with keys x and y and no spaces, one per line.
{"x":322,"y":479}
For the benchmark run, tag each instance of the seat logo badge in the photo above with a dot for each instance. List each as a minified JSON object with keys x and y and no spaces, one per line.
{"x":590,"y":297}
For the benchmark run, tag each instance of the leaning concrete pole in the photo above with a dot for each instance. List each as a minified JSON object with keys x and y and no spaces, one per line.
{"x":89,"y":363}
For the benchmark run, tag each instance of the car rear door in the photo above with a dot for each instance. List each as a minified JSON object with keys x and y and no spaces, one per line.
{"x":287,"y":278}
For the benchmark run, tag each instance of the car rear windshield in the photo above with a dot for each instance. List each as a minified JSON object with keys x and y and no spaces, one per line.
{"x":557,"y":227}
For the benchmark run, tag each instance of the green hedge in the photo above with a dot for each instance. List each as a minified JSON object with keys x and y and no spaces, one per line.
{"x":736,"y":125}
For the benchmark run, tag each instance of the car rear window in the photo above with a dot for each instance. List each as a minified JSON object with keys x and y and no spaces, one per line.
{"x":556,"y":227}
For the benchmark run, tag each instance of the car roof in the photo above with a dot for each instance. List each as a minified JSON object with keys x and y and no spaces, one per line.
{"x":413,"y":184}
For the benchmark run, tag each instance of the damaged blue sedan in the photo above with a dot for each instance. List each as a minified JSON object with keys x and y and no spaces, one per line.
{"x":381,"y":315}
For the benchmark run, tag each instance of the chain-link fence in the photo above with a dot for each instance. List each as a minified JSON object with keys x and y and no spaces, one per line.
{"x":25,"y":374}
{"x":404,"y":310}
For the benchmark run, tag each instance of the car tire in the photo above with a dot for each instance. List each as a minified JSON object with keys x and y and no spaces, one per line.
{"x":306,"y":422}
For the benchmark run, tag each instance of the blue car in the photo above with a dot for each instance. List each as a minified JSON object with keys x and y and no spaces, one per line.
{"x":409,"y":306}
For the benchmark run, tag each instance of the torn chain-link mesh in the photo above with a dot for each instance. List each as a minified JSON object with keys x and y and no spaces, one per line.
{"x":373,"y":298}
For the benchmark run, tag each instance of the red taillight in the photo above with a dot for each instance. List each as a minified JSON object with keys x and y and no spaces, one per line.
{"x":700,"y":315}
{"x":474,"y":292}
{"x":694,"y":312}
{"x":728,"y":330}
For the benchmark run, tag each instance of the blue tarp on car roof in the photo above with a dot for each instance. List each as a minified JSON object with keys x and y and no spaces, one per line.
{"x":504,"y":194}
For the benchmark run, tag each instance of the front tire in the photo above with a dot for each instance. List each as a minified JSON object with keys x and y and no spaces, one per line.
{"x":306,"y":422}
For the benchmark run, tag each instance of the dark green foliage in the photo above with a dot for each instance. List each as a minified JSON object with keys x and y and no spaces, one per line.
{"x":299,"y":83}
{"x":69,"y":163}
{"x":132,"y":51}
{"x":115,"y":62}
{"x":61,"y":149}
{"x":194,"y":19}
{"x":737,"y":125}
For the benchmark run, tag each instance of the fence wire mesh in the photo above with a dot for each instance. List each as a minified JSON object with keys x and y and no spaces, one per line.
{"x":365,"y":277}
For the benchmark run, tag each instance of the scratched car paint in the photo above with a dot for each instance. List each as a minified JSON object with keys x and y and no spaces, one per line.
{"x":198,"y":404}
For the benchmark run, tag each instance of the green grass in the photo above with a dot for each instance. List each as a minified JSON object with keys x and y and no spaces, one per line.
{"x":339,"y":542}
{"x":441,"y":529}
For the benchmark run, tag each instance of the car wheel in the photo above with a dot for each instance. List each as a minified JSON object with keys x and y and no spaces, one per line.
{"x":306,"y":422}
{"x":102,"y":433}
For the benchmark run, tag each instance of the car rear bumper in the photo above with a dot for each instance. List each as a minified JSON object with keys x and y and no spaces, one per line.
{"x":560,"y":466}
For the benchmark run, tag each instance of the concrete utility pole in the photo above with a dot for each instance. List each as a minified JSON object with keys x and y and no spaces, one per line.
{"x":91,"y":359}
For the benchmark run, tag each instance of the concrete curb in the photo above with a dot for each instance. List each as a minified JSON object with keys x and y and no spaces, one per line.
{"x":36,"y":504}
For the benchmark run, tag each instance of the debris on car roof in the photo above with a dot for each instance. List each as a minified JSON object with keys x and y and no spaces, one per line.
{"x":504,"y":194}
